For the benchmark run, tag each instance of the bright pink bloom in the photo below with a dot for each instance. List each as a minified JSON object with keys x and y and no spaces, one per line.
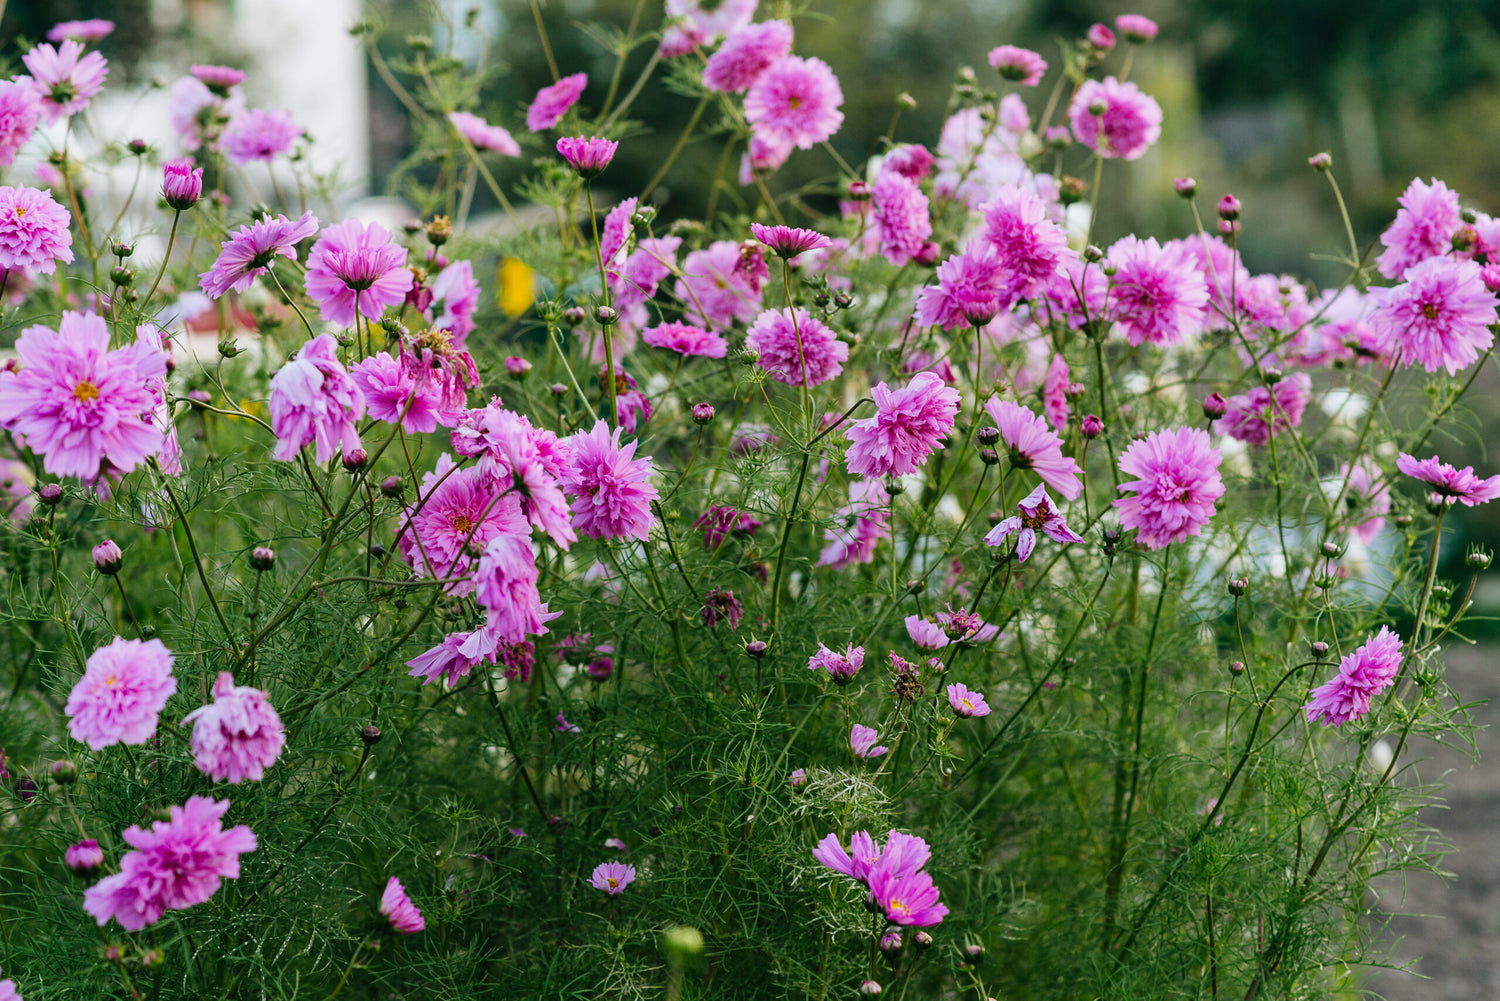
{"x":85,"y":856}
{"x":910,"y":160}
{"x":523,"y":462}
{"x":1439,"y":317}
{"x":856,"y":863}
{"x":237,"y":736}
{"x":1176,"y":483}
{"x":1368,"y":496}
{"x":1424,"y":227}
{"x":787,"y":241}
{"x":251,"y":250}
{"x":588,"y":156}
{"x":926,"y":634}
{"x":1033,"y":446}
{"x":354,"y":264}
{"x":79,"y":404}
{"x":92,"y":30}
{"x":1114,"y":119}
{"x":8,"y":990}
{"x":1459,"y":484}
{"x":966,"y":703}
{"x":796,"y":348}
{"x":456,"y":511}
{"x":686,"y":339}
{"x":1038,"y":514}
{"x":1018,"y":65}
{"x":611,"y":491}
{"x":65,"y":82}
{"x":34,"y":230}
{"x":763,"y":154}
{"x":909,"y":425}
{"x":796,"y":101}
{"x":455,"y":297}
{"x":612,"y":877}
{"x":20,"y":111}
{"x":506,"y":580}
{"x":910,"y":900}
{"x":1032,"y":248}
{"x":483,"y":135}
{"x":181,"y":185}
{"x":1157,"y":293}
{"x":1100,"y":37}
{"x":178,"y":863}
{"x":1136,"y":28}
{"x":841,"y":667}
{"x":714,"y":290}
{"x":259,"y":135}
{"x":963,"y":626}
{"x":694,"y":23}
{"x":1055,"y":387}
{"x":552,"y":102}
{"x":616,"y":233}
{"x":397,"y":906}
{"x":122,"y":692}
{"x":968,"y":292}
{"x":1363,"y":674}
{"x":747,"y":54}
{"x":858,"y":526}
{"x":862,"y":742}
{"x":313,"y":399}
{"x":1255,"y":417}
{"x":392,"y":394}
{"x":901,"y":215}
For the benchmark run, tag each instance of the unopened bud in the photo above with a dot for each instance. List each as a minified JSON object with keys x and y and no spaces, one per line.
{"x":262,"y":559}
{"x":702,"y":413}
{"x":64,"y":772}
{"x":606,"y":315}
{"x":1185,"y":186}
{"x":228,"y":348}
{"x":922,"y":940}
{"x":987,"y":436}
{"x":1478,"y":559}
{"x":108,"y":558}
{"x":1101,"y":38}
{"x":1228,"y":227}
{"x":989,"y":456}
{"x":1229,"y":207}
{"x":682,"y":942}
{"x":574,"y":315}
{"x":756,"y":648}
{"x":1331,"y":550}
{"x":356,"y":459}
{"x":1071,"y":189}
{"x":1320,"y":161}
{"x":860,"y":191}
{"x":890,"y":943}
{"x":974,"y":953}
{"x":870,"y":989}
{"x":1465,"y":239}
{"x":927,"y":255}
{"x":797,"y":779}
{"x":1091,"y":427}
{"x":1320,"y":649}
{"x":517,"y":368}
{"x":1236,"y":667}
{"x":749,"y":356}
{"x":1092,"y":254}
{"x":50,"y":494}
{"x":370,"y":735}
{"x":558,"y":389}
{"x":1239,"y":586}
{"x":1215,"y":406}
{"x":391,"y":486}
{"x":122,"y":250}
{"x":916,"y":586}
{"x":905,"y":101}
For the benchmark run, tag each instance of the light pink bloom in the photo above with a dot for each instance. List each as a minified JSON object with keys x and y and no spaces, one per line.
{"x":1037,"y":514}
{"x":787,"y":241}
{"x":357,"y":265}
{"x":1032,"y":248}
{"x":85,"y":856}
{"x":747,"y":54}
{"x":685,"y":339}
{"x":841,"y":667}
{"x":483,"y":135}
{"x":796,"y":348}
{"x":763,"y":154}
{"x":1176,"y":483}
{"x":122,"y":692}
{"x":199,"y":112}
{"x":967,"y":703}
{"x":237,"y":736}
{"x":714,"y":290}
{"x":693,"y":23}
{"x":1363,"y":674}
{"x":796,"y":101}
{"x":552,"y":102}
{"x":1446,"y":482}
{"x":1055,"y":393}
{"x":397,"y":906}
{"x":926,"y":634}
{"x":587,"y":155}
{"x":862,"y":741}
{"x":864,"y":852}
{"x":1136,"y":28}
{"x":1368,"y":496}
{"x":259,"y":134}
{"x":92,"y":30}
{"x":563,"y":726}
{"x":314,"y":400}
{"x":1114,"y":119}
{"x":1018,"y":65}
{"x":1424,"y":227}
{"x":20,"y":111}
{"x":521,"y":461}
{"x":1255,"y":417}
{"x":219,"y":79}
{"x":447,"y":660}
{"x":1033,"y":446}
{"x":1157,"y":293}
{"x":506,"y":579}
{"x":611,"y":491}
{"x":65,"y":78}
{"x":901,"y":216}
{"x":1439,"y":317}
{"x":251,"y":250}
{"x":910,"y":160}
{"x":909,"y":425}
{"x":34,"y":230}
{"x":857,"y":526}
{"x":612,"y":877}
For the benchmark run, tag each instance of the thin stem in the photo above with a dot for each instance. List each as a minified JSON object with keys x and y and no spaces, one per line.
{"x":171,"y":238}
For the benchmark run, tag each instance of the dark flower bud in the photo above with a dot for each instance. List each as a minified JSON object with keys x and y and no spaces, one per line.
{"x":574,"y":315}
{"x":922,"y":940}
{"x":1091,"y":427}
{"x":1238,"y":586}
{"x":50,"y":494}
{"x":356,"y":459}
{"x":138,"y":147}
{"x":122,"y":277}
{"x":916,"y":586}
{"x":702,"y":413}
{"x":64,"y":772}
{"x":1271,"y":376}
{"x":600,"y":669}
{"x":989,"y":456}
{"x":262,"y":558}
{"x":377,"y":550}
{"x":1215,"y":406}
{"x":1320,"y":162}
{"x":891,"y":943}
{"x":84,"y":857}
{"x":391,"y":486}
{"x":927,"y":255}
{"x":756,"y":648}
{"x":987,"y":436}
{"x":228,"y":348}
{"x":1068,"y":663}
{"x":370,"y":735}
{"x":1185,"y":186}
{"x":1228,"y":227}
{"x":1112,"y":536}
{"x":843,"y":300}
{"x":1229,"y":207}
{"x":1071,"y":189}
{"x":974,"y":953}
{"x":108,"y":558}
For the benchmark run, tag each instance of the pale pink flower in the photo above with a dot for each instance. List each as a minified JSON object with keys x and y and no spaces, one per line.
{"x":747,"y":54}
{"x":926,"y":634}
{"x":713,"y":290}
{"x":788,"y":241}
{"x":456,"y":511}
{"x":1055,"y":393}
{"x":124,"y":688}
{"x":219,"y":79}
{"x":902,"y":220}
{"x":862,"y":742}
{"x":587,"y":155}
{"x":313,"y":399}
{"x":694,"y":23}
{"x":909,"y":425}
{"x":1136,"y":28}
{"x":1018,"y":65}
{"x":238,"y":735}
{"x":65,"y":77}
{"x":1439,"y":317}
{"x":1114,"y":119}
{"x":259,"y":134}
{"x":34,"y":231}
{"x":1423,"y":229}
{"x":1033,"y":446}
{"x":483,"y":135}
{"x":397,"y":906}
{"x":1157,"y":293}
{"x":612,"y":877}
{"x":910,"y":160}
{"x":1256,"y":416}
{"x":1368,"y":496}
{"x":94,"y":29}
{"x":966,"y":703}
{"x":1363,"y":674}
{"x":1447,"y":482}
{"x":392,"y":395}
{"x":251,"y":250}
{"x":685,"y":339}
{"x":841,"y":667}
{"x":1037,"y":514}
{"x":1032,"y":248}
{"x":20,"y":111}
{"x":796,"y":100}
{"x":796,"y":348}
{"x":1175,"y":486}
{"x":552,"y":102}
{"x":357,"y":266}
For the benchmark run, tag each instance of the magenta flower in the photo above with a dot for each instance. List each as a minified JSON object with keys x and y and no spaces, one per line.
{"x":65,"y":82}
{"x":1363,"y":674}
{"x":787,"y":242}
{"x":611,"y":491}
{"x":506,"y":585}
{"x":314,"y":400}
{"x":92,"y":30}
{"x":685,"y":339}
{"x":1424,"y":227}
{"x":397,"y":906}
{"x":968,"y":292}
{"x":841,"y":667}
{"x":251,"y":250}
{"x":1114,"y":119}
{"x":124,"y":688}
{"x":237,"y":736}
{"x":85,"y":856}
{"x":910,"y":900}
{"x":612,"y":877}
{"x":1446,"y":482}
{"x":80,"y":405}
{"x":1136,"y":28}
{"x":862,"y":742}
{"x":966,"y":703}
{"x":909,"y":425}
{"x":354,"y":264}
{"x":588,"y":156}
{"x":448,"y":660}
{"x":456,"y":511}
{"x":863,"y":853}
{"x":455,"y":297}
{"x":926,"y":634}
{"x":483,"y":135}
{"x":34,"y":230}
{"x":777,"y":336}
{"x":1176,"y":483}
{"x":1157,"y":294}
{"x":20,"y":111}
{"x":1032,"y":248}
{"x":720,"y":603}
{"x":902,"y":216}
{"x":746,"y":55}
{"x":1037,"y":514}
{"x":715,"y":291}
{"x":1100,"y":37}
{"x":693,"y":23}
{"x":259,"y":135}
{"x":392,"y":394}
{"x":518,"y":459}
{"x":1368,"y":497}
{"x":1055,"y":386}
{"x":1439,"y":317}
{"x":178,"y":863}
{"x":1033,"y":446}
{"x":551,"y":103}
{"x":1255,"y":417}
{"x":563,"y":726}
{"x":1018,"y":65}
{"x":182,"y":184}
{"x":858,"y":526}
{"x":795,"y":101}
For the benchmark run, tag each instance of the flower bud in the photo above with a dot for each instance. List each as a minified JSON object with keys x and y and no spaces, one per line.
{"x":356,"y":459}
{"x":1320,"y":649}
{"x":927,"y":255}
{"x":391,"y":486}
{"x":890,"y":943}
{"x":574,"y":315}
{"x":517,"y":368}
{"x":1091,"y":427}
{"x":1331,"y":550}
{"x":1101,"y":38}
{"x":1071,"y":189}
{"x":859,"y":191}
{"x":916,"y":586}
{"x":181,"y":184}
{"x":974,"y":953}
{"x":228,"y":348}
{"x":756,"y":648}
{"x":1324,"y":582}
{"x":989,"y":456}
{"x":922,"y":940}
{"x":1229,"y":207}
{"x":606,"y":315}
{"x":64,"y":772}
{"x":749,"y":356}
{"x":108,"y":558}
{"x":84,"y":857}
{"x":1236,"y":667}
{"x":1228,"y":227}
{"x":843,"y":300}
{"x":1215,"y":406}
{"x":558,"y":389}
{"x":138,"y":147}
{"x":1436,"y":503}
{"x":1092,"y":254}
{"x":370,"y":735}
{"x":1320,"y":162}
{"x":123,"y":250}
{"x":1239,"y":586}
{"x":262,"y":558}
{"x":1403,"y":520}
{"x":869,"y":989}
{"x":1465,"y":238}
{"x":987,"y":436}
{"x":439,"y":230}
{"x":702,"y":413}
{"x":50,"y":494}
{"x":1478,"y":559}
{"x":797,"y":779}
{"x":1058,"y":138}
{"x":1185,"y":186}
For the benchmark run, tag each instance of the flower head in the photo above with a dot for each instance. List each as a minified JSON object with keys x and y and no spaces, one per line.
{"x":967,"y":703}
{"x":1446,"y":482}
{"x":218,"y":79}
{"x":1439,"y":317}
{"x":85,"y":856}
{"x":685,"y":339}
{"x":1176,"y":483}
{"x":1136,"y":28}
{"x":1037,"y":514}
{"x":909,"y":425}
{"x":484,"y":135}
{"x":787,"y":241}
{"x":746,"y":55}
{"x":393,"y":394}
{"x":902,"y":216}
{"x":795,"y":101}
{"x":20,"y":111}
{"x":357,"y":265}
{"x":237,"y":736}
{"x":182,"y":184}
{"x":1114,"y":119}
{"x":796,"y":348}
{"x":693,"y":23}
{"x":720,"y":603}
{"x":251,"y":250}
{"x":94,"y":29}
{"x":1157,"y":294}
{"x":587,"y":155}
{"x":862,"y":742}
{"x":1256,"y":416}
{"x":719,"y":521}
{"x":716,"y":291}
{"x":907,"y":900}
{"x":313,"y":399}
{"x":1033,"y":446}
{"x":1032,"y":248}
{"x":611,"y":491}
{"x":1018,"y":65}
{"x":1363,"y":674}
{"x":34,"y":231}
{"x":612,"y":877}
{"x":1368,"y":496}
{"x":259,"y":134}
{"x":122,"y":692}
{"x":456,"y":511}
{"x":857,"y":526}
{"x":968,"y":292}
{"x":65,"y":77}
{"x":841,"y":667}
{"x":397,"y":906}
{"x":1424,"y":225}
{"x":552,"y":102}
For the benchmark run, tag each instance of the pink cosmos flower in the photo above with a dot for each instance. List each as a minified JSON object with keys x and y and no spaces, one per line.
{"x":719,"y":521}
{"x":685,"y":339}
{"x":506,"y":580}
{"x":763,"y":154}
{"x":397,"y":906}
{"x":522,"y":462}
{"x":693,"y":23}
{"x":1368,"y":496}
{"x":85,"y":856}
{"x":1157,"y":293}
{"x":1018,"y":65}
{"x":588,"y":156}
{"x":1033,"y":446}
{"x":1136,"y":28}
{"x":259,"y":135}
{"x":611,"y":491}
{"x":858,"y":526}
{"x":8,"y":991}
{"x":1100,"y":37}
{"x":747,"y":54}
{"x":612,"y":877}
{"x":34,"y":230}
{"x":778,"y":333}
{"x":714,"y":290}
{"x":182,"y":184}
{"x":926,"y":634}
{"x":862,"y":742}
{"x":447,"y":660}
{"x":456,"y":511}
{"x":1176,"y":483}
{"x":552,"y":102}
{"x":455,"y":297}
{"x":1255,"y":417}
{"x":1114,"y":119}
{"x":357,"y":265}
{"x":219,"y":79}
{"x":963,"y":626}
{"x":251,"y":250}
{"x":1439,"y":317}
{"x":795,"y":101}
{"x":199,"y":112}
{"x":178,"y":863}
{"x":237,"y":736}
{"x":483,"y":135}
{"x":911,"y":161}
{"x":80,"y":405}
{"x":20,"y":111}
{"x":1363,"y":674}
{"x":863,"y":853}
{"x":1446,"y":482}
{"x":909,"y":425}
{"x":314,"y":400}
{"x":1037,"y":514}
{"x":841,"y":667}
{"x":392,"y":395}
{"x":124,"y":688}
{"x":968,"y":292}
{"x":65,"y":82}
{"x":901,"y":215}
{"x":906,"y":900}
{"x":966,"y":703}
{"x":1424,"y":227}
{"x":616,"y":233}
{"x":1032,"y":248}
{"x":92,"y":30}
{"x":787,"y":242}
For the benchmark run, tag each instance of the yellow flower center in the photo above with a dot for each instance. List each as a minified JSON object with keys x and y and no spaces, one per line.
{"x":794,"y":102}
{"x":968,"y":704}
{"x":612,"y":882}
{"x":111,"y":680}
{"x":20,"y":211}
{"x":85,"y":391}
{"x":1034,"y":518}
{"x":897,"y":906}
{"x":1430,"y":311}
{"x":463,"y":523}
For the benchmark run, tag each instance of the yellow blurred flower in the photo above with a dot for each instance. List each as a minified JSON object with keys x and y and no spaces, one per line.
{"x":517,"y":286}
